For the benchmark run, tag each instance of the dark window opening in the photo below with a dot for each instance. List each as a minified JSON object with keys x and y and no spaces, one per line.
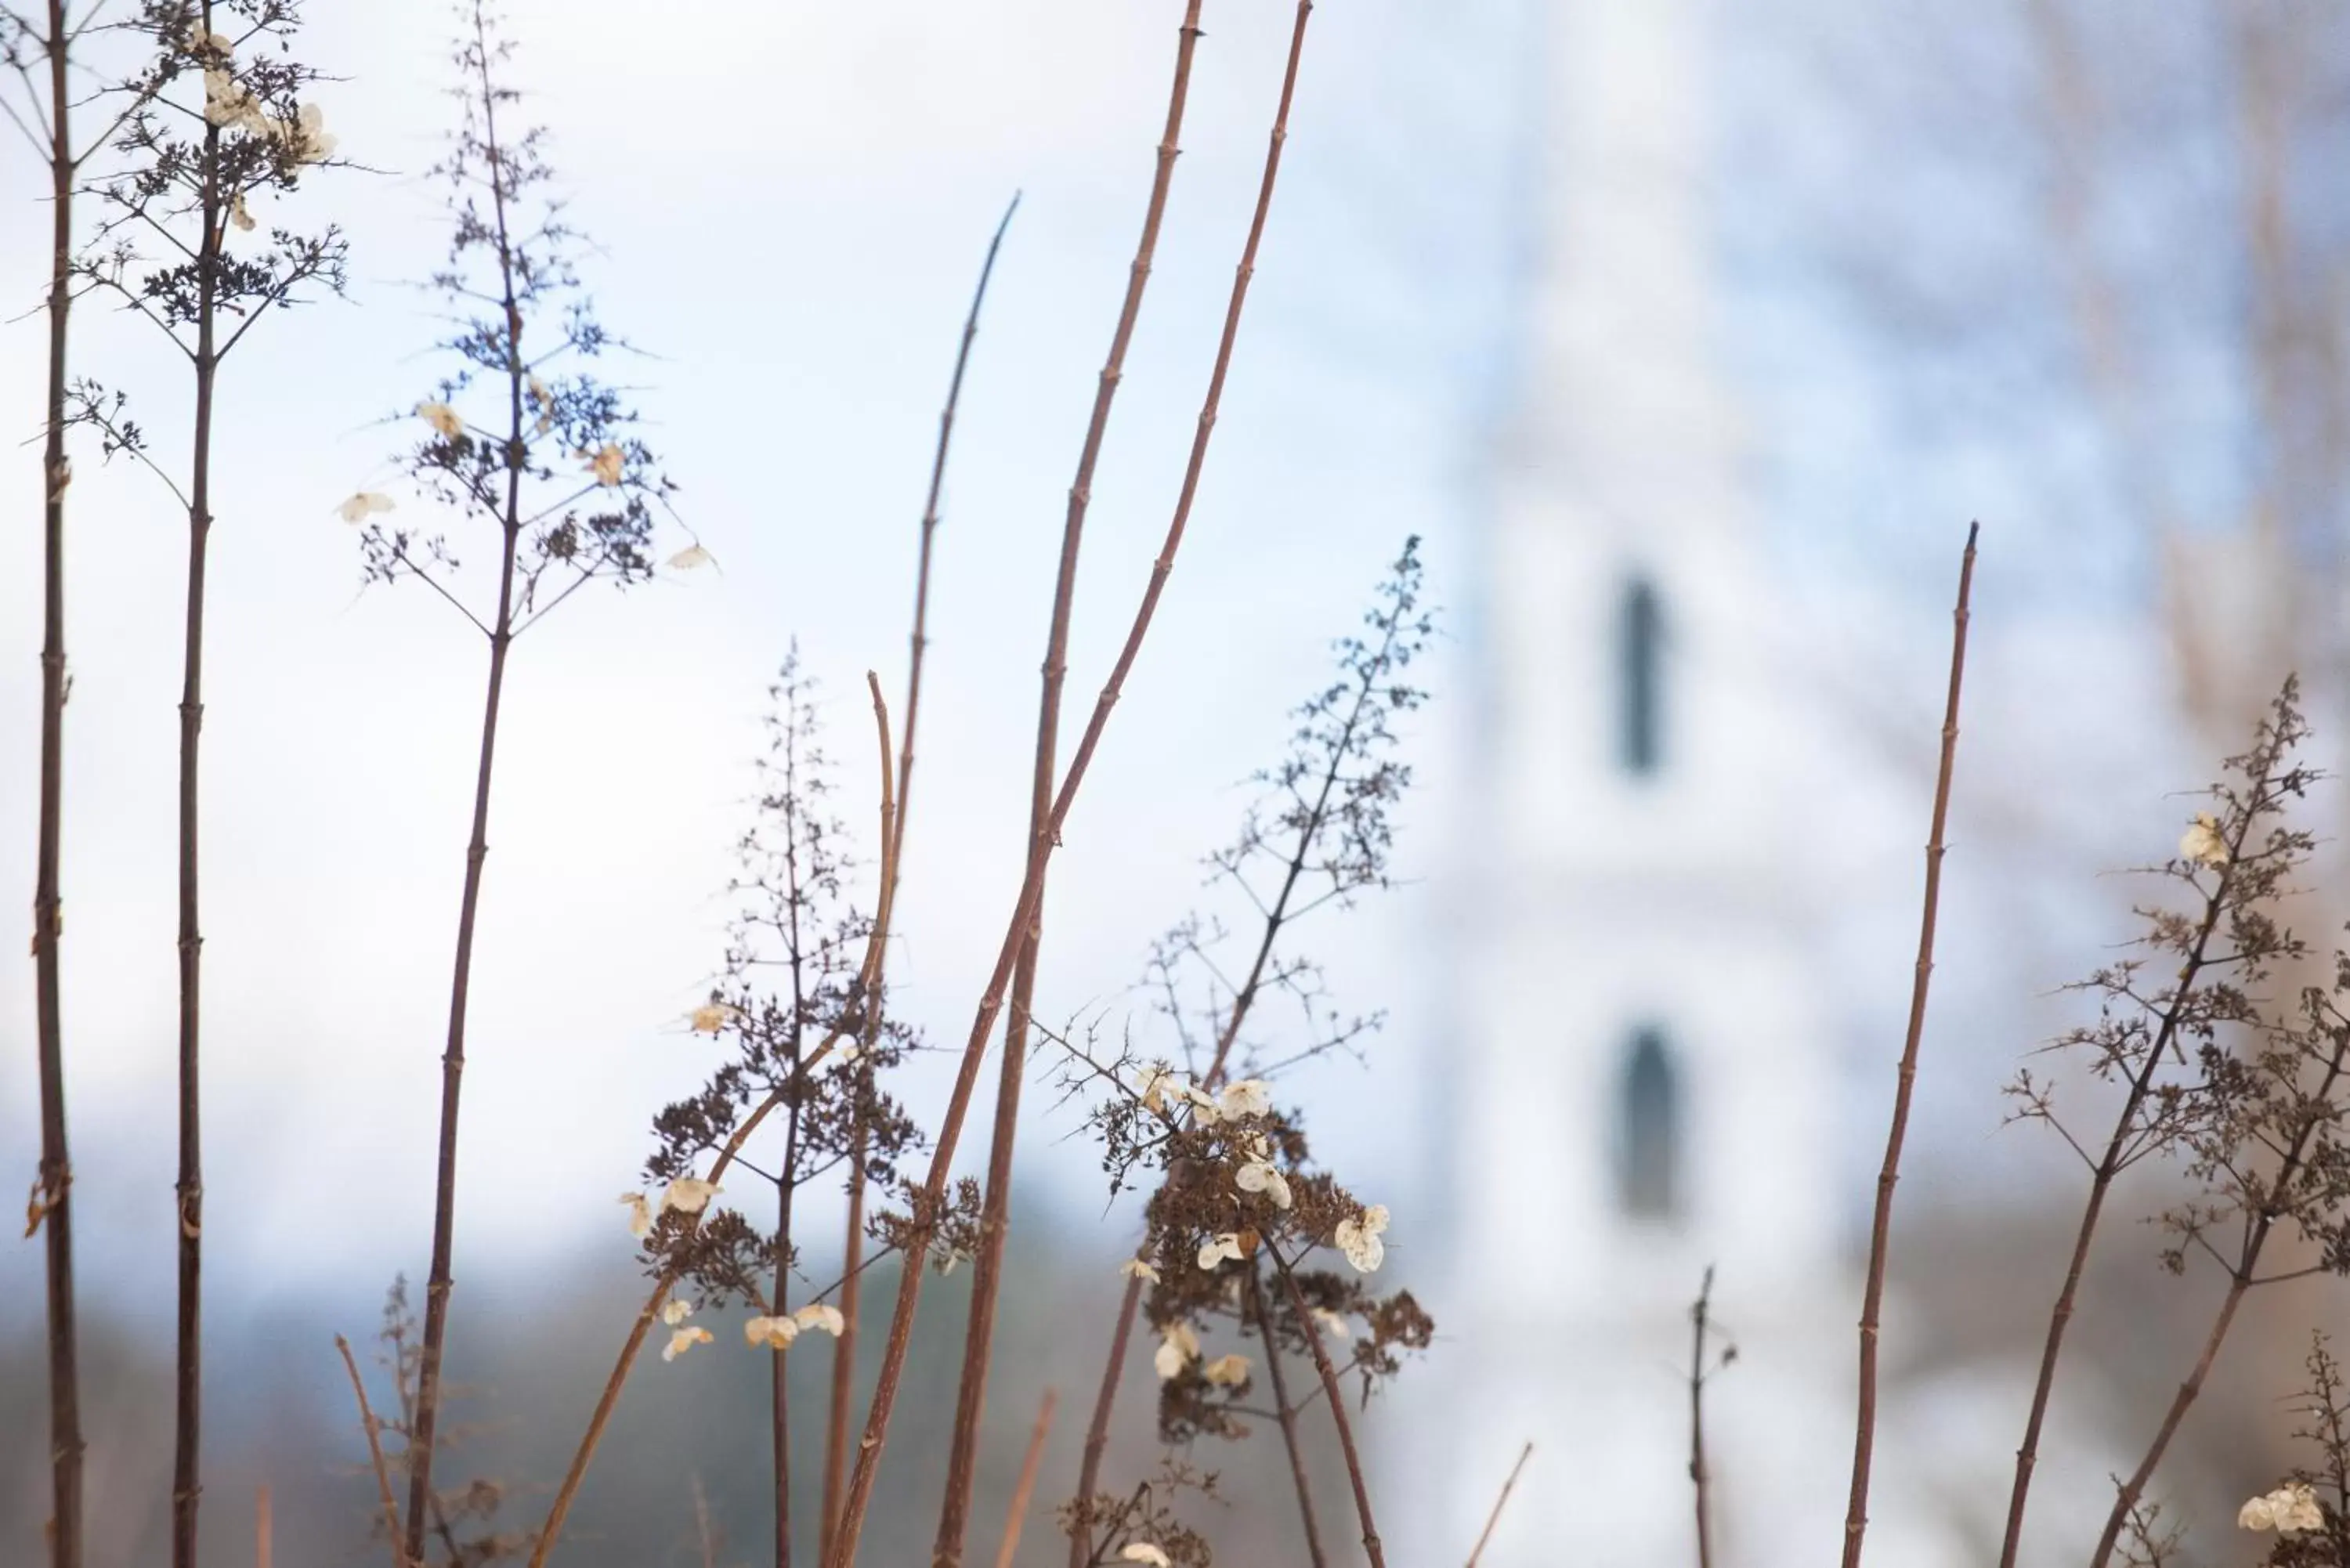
{"x":1640,"y":634}
{"x":1648,"y":1130}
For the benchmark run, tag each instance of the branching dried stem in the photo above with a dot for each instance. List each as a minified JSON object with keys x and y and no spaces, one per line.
{"x":254,"y":139}
{"x":506,"y":271}
{"x":866,"y":992}
{"x":971,"y":1392}
{"x":374,"y":1432}
{"x":2262,"y":1101}
{"x":1335,"y":789}
{"x":2139,"y":1034}
{"x":1855,"y":1523}
{"x":910,"y":1286}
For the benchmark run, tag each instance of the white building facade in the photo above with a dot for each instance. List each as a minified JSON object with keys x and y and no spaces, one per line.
{"x":1644,"y":1080}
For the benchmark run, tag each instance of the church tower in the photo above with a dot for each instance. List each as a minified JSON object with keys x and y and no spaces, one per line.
{"x":1643,"y":1074}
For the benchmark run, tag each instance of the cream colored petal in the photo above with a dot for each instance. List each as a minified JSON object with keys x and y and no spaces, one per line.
{"x":822,"y":1317}
{"x":2201,"y":844}
{"x":676,"y":1310}
{"x":688,"y":1195}
{"x":1143,"y":1552}
{"x":1248,"y":1098}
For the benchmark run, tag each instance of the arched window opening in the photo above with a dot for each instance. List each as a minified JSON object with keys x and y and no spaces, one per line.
{"x":1640,"y":677}
{"x":1649,"y":1129}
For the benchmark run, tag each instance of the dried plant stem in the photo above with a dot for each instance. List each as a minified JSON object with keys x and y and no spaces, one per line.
{"x":373,"y":1429}
{"x":264,"y":1529}
{"x":862,"y":998}
{"x":1855,"y":1523}
{"x":477,"y":850}
{"x":779,"y":1400}
{"x":839,"y":1416}
{"x":2241,"y":1278}
{"x":1338,"y":1403}
{"x":187,"y":1425}
{"x":1495,"y":1518}
{"x":910,"y":1285}
{"x":2101,"y":1179}
{"x":1015,"y":1518}
{"x":839,"y":1413}
{"x":1286,"y":1414}
{"x":1081,"y":1545}
{"x":1700,"y":1479}
{"x":51,"y":1203}
{"x":987,"y":1269}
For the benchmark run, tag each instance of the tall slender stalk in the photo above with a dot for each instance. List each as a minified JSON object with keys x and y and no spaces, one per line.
{"x":839,"y":1414}
{"x":188,"y":1424}
{"x":1015,"y":1517}
{"x":909,"y":1284}
{"x":53,"y":1205}
{"x":971,"y":1392}
{"x":1855,"y":1521}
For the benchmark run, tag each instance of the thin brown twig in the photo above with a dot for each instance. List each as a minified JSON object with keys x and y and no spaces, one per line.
{"x":264,"y":1529}
{"x":1500,"y":1502}
{"x":1700,"y":1477}
{"x":862,"y":997}
{"x":1285,"y":1416}
{"x":373,"y":1429}
{"x":995,"y":1217}
{"x":839,"y":1416}
{"x":1855,"y":1523}
{"x":1371,"y":1547}
{"x":1016,"y":1519}
{"x":910,"y":1284}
